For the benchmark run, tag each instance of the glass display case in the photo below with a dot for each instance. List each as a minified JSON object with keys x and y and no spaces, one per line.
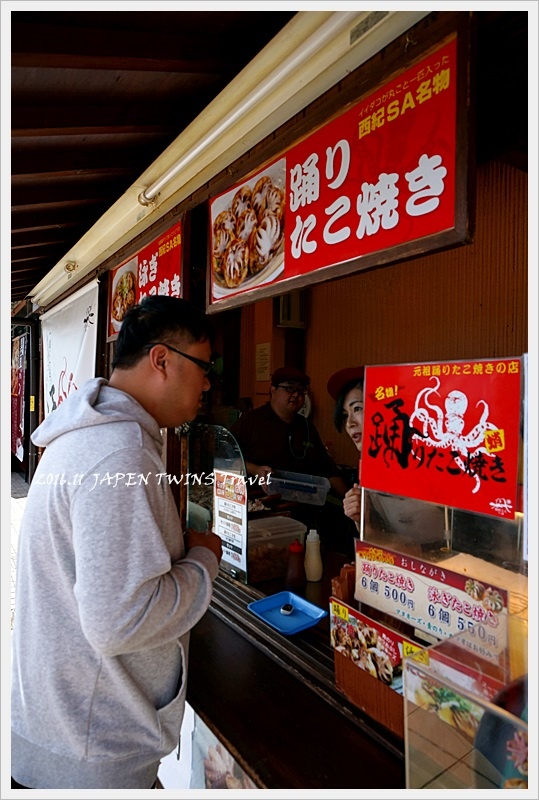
{"x":431,"y":573}
{"x":466,"y":712}
{"x":435,"y":532}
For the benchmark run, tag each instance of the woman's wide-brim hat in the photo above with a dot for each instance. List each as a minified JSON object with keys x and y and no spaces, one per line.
{"x":339,"y":379}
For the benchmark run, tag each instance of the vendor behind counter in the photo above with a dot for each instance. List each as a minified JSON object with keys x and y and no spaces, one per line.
{"x":276,"y":437}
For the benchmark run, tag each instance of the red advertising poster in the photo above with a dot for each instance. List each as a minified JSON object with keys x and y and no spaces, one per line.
{"x":155,"y":270}
{"x":432,"y":599}
{"x":18,"y":372}
{"x":380,"y":175}
{"x":445,"y":432}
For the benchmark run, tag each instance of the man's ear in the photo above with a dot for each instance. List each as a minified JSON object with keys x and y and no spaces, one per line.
{"x":157,"y":356}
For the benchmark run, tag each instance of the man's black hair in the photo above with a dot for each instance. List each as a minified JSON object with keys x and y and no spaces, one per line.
{"x":158,"y":319}
{"x":338,"y":411}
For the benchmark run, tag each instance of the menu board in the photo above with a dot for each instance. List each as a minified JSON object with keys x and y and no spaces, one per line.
{"x":373,"y":647}
{"x":154,"y":270}
{"x":230,"y":520}
{"x":379,"y":176}
{"x":432,"y":599}
{"x":447,"y":432}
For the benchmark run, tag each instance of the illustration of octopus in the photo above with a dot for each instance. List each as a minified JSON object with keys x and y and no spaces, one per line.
{"x":446,"y":430}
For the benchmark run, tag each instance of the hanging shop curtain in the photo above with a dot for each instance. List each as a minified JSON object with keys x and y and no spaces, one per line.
{"x":69,"y":345}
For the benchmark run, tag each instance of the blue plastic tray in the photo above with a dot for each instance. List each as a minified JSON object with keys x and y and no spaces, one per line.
{"x":304,"y":615}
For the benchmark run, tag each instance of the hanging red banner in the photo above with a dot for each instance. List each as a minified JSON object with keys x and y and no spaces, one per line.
{"x":445,"y":432}
{"x":381,"y":175}
{"x":155,"y":270}
{"x":18,"y":378}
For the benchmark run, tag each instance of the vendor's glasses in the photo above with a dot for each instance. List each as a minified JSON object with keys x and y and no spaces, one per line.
{"x":302,"y":390}
{"x":205,"y":366}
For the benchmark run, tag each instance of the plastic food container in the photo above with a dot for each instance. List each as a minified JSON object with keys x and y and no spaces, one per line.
{"x":268,"y":540}
{"x":299,"y":488}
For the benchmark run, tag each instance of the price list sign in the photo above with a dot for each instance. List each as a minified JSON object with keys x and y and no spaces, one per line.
{"x":230,"y":519}
{"x":432,"y":599}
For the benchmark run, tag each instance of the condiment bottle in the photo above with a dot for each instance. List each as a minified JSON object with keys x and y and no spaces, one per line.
{"x":313,"y":559}
{"x":295,"y":571}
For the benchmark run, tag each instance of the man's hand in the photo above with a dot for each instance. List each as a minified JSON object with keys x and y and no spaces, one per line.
{"x":204,"y":539}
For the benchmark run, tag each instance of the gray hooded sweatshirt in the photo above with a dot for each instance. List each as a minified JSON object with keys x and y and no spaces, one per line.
{"x":105,"y":600}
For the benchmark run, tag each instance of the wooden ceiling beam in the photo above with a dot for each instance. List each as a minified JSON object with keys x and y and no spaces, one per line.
{"x":95,"y":98}
{"x":31,"y":276}
{"x":41,"y":250}
{"x":108,"y":131}
{"x":19,"y":262}
{"x":38,"y":229}
{"x":62,"y":161}
{"x":44,"y":236}
{"x":54,"y":214}
{"x":68,"y":177}
{"x":117,"y":63}
{"x":204,"y":51}
{"x":52,"y":193}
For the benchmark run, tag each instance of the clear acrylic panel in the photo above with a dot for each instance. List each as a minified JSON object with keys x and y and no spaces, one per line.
{"x":211,"y":447}
{"x":434,"y":532}
{"x":466,"y":716}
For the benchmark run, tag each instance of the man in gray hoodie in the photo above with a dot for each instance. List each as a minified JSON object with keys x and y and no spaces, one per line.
{"x":108,"y":588}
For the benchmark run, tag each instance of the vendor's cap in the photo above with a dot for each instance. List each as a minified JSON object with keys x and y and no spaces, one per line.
{"x":289,"y":375}
{"x":339,"y":379}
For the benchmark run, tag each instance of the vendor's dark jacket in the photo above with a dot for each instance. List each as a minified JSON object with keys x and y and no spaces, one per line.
{"x":265,"y":439}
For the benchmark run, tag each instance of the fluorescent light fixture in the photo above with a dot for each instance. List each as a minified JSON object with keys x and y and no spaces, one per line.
{"x":55,"y":283}
{"x":336,"y":23}
{"x":311,"y":54}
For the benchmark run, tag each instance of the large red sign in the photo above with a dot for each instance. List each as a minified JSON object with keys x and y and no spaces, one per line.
{"x":380,"y":175}
{"x":445,"y":432}
{"x":157,"y":269}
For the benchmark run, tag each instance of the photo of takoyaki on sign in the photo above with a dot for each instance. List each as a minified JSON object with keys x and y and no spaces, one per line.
{"x":247,"y":232}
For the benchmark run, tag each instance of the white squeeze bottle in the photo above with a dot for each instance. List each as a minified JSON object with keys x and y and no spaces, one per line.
{"x":313,"y":559}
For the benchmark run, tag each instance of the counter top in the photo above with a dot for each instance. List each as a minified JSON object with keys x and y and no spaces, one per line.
{"x":277,"y":723}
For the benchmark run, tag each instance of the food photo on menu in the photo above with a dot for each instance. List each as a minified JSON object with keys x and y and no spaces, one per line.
{"x":247,"y":232}
{"x":124,"y":292}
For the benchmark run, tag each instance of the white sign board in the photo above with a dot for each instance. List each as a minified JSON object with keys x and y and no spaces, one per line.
{"x":69,"y":345}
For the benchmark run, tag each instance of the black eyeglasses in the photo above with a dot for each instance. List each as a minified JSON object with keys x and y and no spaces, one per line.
{"x":205,"y":366}
{"x":292,"y":389}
